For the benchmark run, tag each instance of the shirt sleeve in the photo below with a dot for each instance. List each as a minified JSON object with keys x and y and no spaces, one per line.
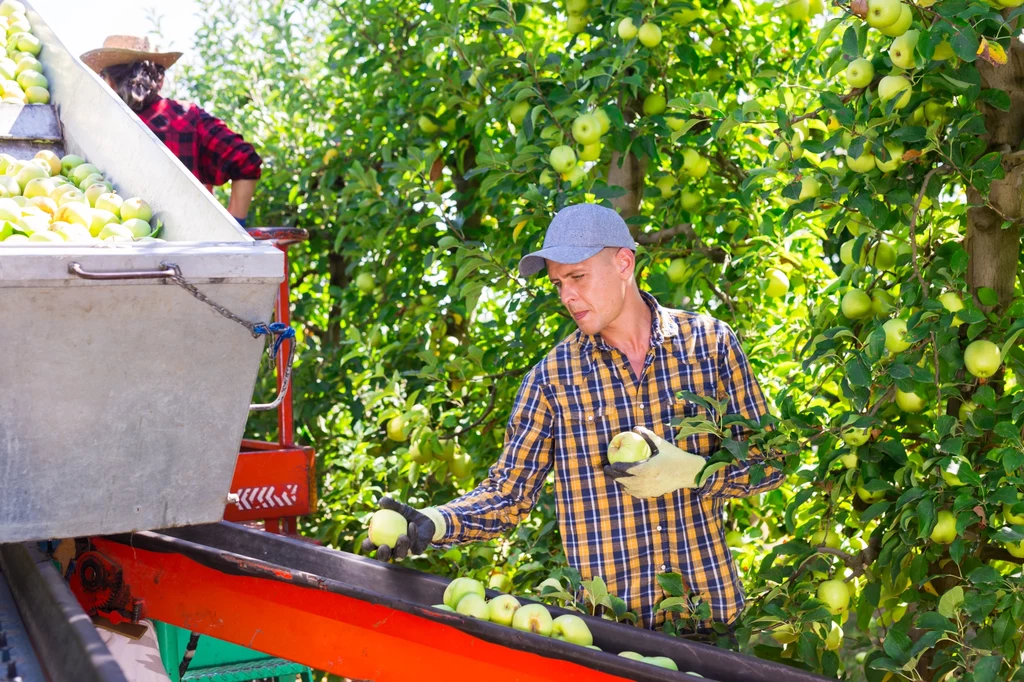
{"x":736,"y":380}
{"x":510,"y":491}
{"x":224,"y":154}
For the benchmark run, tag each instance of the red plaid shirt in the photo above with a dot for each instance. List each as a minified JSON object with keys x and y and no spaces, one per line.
{"x":213,"y":152}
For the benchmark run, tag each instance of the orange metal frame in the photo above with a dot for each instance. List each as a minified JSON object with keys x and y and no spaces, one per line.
{"x":295,"y":616}
{"x":276,"y":481}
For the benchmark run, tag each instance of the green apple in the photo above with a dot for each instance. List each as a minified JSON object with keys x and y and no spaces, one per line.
{"x":114,"y":232}
{"x":443,"y":607}
{"x":43,"y":236}
{"x":966,"y":410}
{"x":867,"y":496}
{"x":586,"y":129}
{"x":427,"y":124}
{"x":32,"y":79}
{"x":834,"y":639}
{"x":666,"y":184}
{"x":864,"y":163}
{"x":627,"y":29}
{"x":573,"y":629}
{"x":29,"y":43}
{"x":591,"y":152}
{"x":365,"y":283}
{"x":900,"y":26}
{"x":675,"y":123}
{"x":809,"y":188}
{"x":691,"y":160}
{"x":138,"y":228}
{"x":459,"y":588}
{"x":576,"y":6}
{"x":855,"y":437}
{"x":943,"y":51}
{"x":502,"y":609}
{"x":891,"y":87}
{"x":982,"y":358}
{"x":785,"y":633}
{"x":901,"y":52}
{"x":1015,"y":548}
{"x":631,"y":655}
{"x":82,"y":171}
{"x":654,"y":104}
{"x":830,"y":539}
{"x":396,"y":429}
{"x":661,"y":662}
{"x":895,"y":150}
{"x":896,"y":335}
{"x":628,"y":447}
{"x":38,"y":187}
{"x":882,"y":13}
{"x":860,"y":73}
{"x":474,"y":606}
{"x":577,"y":23}
{"x":386,"y":526}
{"x":108,"y":201}
{"x":11,"y":7}
{"x":533,"y":618}
{"x":849,"y":460}
{"x":944,"y":531}
{"x":856,"y":304}
{"x":72,"y":233}
{"x":602,"y":119}
{"x":136,"y":208}
{"x":1010,"y":517}
{"x":798,"y":9}
{"x":909,"y":402}
{"x":778,"y":284}
{"x":691,"y":201}
{"x":881,"y":302}
{"x":677,"y":271}
{"x":562,"y":158}
{"x":836,"y":595}
{"x":69,"y":163}
{"x":649,"y":34}
{"x":846,"y":252}
{"x":575,"y":176}
{"x":518,"y":113}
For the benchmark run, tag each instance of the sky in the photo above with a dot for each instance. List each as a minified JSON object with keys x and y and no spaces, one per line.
{"x":83,"y":24}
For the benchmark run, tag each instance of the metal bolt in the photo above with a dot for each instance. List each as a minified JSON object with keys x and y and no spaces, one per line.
{"x":232,"y":498}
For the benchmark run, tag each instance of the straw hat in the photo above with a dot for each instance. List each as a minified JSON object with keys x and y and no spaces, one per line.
{"x":118,"y":50}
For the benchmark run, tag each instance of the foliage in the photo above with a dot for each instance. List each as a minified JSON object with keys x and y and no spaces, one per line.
{"x":385,"y":131}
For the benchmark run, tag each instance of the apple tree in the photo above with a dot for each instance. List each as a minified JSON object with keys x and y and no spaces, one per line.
{"x":841,"y":184}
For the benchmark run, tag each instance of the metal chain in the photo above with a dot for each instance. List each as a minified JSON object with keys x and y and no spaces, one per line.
{"x":257,"y":329}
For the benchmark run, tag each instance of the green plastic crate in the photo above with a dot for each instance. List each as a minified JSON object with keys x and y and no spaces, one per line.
{"x":218,"y":661}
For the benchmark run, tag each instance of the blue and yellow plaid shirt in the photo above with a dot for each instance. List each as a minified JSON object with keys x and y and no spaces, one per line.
{"x":569,"y":406}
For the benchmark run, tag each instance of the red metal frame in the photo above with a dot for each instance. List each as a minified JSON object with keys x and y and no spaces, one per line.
{"x":314,"y":626}
{"x":276,"y":481}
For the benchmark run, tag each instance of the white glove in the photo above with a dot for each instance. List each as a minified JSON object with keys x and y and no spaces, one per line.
{"x":666,"y":471}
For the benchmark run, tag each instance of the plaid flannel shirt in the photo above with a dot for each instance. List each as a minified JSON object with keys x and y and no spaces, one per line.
{"x":203,"y":143}
{"x":569,"y":406}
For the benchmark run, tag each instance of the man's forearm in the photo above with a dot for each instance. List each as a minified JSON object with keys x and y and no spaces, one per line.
{"x":242,"y":192}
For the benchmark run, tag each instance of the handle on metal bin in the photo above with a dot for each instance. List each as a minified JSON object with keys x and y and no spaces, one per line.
{"x":167,"y":272}
{"x":283,"y":333}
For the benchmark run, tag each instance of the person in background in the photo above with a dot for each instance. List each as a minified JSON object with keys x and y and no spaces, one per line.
{"x":203,"y":143}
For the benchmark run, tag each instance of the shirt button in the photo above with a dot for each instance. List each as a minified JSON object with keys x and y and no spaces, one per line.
{"x":659,"y":528}
{"x":664,"y":567}
{"x":641,"y":406}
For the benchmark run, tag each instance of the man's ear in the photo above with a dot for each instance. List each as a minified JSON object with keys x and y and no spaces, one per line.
{"x":625,"y":262}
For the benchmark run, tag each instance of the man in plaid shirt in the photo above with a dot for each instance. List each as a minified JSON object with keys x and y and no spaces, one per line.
{"x":203,"y":143}
{"x":623,"y":369}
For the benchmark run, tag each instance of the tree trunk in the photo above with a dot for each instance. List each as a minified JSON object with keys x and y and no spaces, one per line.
{"x":994,"y":251}
{"x":336,"y":266}
{"x":628,"y":172}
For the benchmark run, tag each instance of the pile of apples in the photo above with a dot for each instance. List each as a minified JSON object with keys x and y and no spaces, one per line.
{"x":21,"y":73}
{"x":49,"y":199}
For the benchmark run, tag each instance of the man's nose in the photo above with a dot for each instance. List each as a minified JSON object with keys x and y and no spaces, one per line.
{"x":568,"y":295}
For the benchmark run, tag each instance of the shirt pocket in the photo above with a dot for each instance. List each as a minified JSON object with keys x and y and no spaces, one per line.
{"x":584,"y":423}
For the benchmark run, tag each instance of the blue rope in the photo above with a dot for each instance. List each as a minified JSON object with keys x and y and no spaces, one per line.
{"x":278,"y":329}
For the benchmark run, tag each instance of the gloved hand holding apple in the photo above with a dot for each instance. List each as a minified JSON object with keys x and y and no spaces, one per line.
{"x":396,"y":530}
{"x":646,"y":465}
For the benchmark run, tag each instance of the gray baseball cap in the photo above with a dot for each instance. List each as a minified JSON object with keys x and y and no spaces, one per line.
{"x":577,"y":233}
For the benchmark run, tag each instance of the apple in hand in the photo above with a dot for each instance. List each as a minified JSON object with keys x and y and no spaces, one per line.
{"x":835,"y":594}
{"x":502,"y":609}
{"x":572,"y":629}
{"x":860,"y":73}
{"x":982,"y":358}
{"x":628,"y":447}
{"x":533,"y":618}
{"x":386,"y":526}
{"x":945,"y":528}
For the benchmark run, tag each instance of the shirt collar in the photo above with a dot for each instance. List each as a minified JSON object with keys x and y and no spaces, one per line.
{"x":663,"y":327}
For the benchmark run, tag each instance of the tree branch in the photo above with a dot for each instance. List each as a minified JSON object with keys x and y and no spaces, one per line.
{"x":713,"y":253}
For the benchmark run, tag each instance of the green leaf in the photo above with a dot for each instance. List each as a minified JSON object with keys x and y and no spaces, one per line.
{"x":950,"y":602}
{"x":988,"y":296}
{"x":897,"y":645}
{"x":671,"y":584}
{"x":987,"y":669}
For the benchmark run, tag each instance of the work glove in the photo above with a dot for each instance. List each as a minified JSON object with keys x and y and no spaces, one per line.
{"x":425,"y":526}
{"x":667,"y":469}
